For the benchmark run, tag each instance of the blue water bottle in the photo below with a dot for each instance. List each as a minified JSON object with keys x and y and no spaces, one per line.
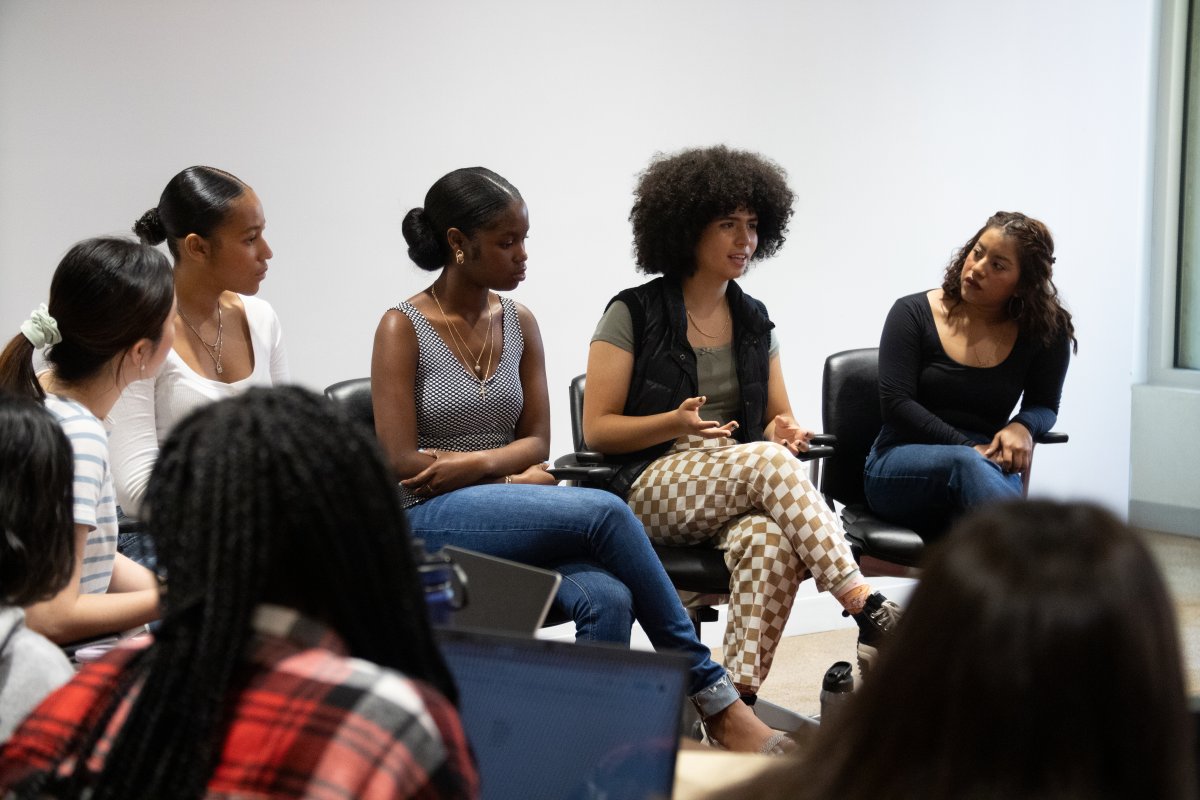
{"x":444,"y":583}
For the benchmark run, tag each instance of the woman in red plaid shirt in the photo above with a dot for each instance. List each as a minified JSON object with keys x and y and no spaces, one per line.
{"x":295,"y":658}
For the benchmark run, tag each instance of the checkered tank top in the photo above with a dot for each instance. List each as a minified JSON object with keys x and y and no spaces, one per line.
{"x":452,"y":412}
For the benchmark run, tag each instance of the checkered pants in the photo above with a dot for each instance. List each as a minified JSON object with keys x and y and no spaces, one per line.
{"x":755,"y":502}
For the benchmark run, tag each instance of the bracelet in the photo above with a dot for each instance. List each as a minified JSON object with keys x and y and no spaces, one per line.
{"x":508,"y":478}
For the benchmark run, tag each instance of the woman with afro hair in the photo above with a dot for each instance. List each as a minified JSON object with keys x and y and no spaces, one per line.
{"x":686,"y":389}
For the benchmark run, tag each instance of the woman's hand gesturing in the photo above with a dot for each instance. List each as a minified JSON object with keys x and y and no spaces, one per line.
{"x":691,"y":423}
{"x":788,"y":432}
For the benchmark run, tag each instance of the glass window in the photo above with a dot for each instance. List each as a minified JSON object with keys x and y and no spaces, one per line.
{"x":1187,"y":326}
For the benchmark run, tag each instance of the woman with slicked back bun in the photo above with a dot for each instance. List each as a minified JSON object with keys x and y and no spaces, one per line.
{"x":226,"y":339}
{"x":459,"y":388}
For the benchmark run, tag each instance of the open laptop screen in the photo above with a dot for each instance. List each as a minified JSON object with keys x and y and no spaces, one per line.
{"x":560,"y":721}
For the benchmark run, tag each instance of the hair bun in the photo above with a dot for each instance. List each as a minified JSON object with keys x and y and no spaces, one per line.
{"x":423,"y":246}
{"x":149,"y":227}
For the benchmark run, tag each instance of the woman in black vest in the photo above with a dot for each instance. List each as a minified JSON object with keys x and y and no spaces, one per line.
{"x":685,"y":386}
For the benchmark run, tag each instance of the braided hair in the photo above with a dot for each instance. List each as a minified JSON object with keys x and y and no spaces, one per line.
{"x":273,"y":496}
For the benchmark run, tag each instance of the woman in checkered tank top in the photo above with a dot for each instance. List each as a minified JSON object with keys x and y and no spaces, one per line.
{"x":459,"y":389}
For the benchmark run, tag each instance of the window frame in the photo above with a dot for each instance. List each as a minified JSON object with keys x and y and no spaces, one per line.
{"x":1167,"y":197}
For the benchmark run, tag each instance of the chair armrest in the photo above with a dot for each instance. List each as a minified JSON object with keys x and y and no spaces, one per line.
{"x":1053,"y":437}
{"x":582,"y":473}
{"x":824,"y":439}
{"x":816,"y":451}
{"x":583,"y":467}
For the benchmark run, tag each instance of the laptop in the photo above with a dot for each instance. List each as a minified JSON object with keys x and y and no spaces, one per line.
{"x":502,"y":596}
{"x":560,"y":721}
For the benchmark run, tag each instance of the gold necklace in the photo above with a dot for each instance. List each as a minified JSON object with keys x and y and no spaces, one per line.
{"x":700,"y":330}
{"x":480,"y":371}
{"x":214,"y":349}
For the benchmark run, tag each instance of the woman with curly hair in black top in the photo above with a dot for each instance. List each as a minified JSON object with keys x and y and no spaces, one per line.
{"x":953,"y":361}
{"x":685,"y":387}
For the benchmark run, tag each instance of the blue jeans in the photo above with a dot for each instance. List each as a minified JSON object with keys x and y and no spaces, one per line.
{"x":923,"y":486}
{"x":610,"y":572}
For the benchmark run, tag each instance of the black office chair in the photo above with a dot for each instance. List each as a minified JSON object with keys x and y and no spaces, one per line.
{"x":850,"y":411}
{"x":698,"y":570}
{"x":354,"y":396}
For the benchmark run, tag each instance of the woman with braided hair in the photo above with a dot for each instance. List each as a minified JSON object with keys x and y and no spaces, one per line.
{"x":295,"y":658}
{"x":107,"y":325}
{"x":953,"y":362}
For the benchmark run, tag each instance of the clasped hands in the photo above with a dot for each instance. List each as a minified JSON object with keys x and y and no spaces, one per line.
{"x":783,"y":429}
{"x":449,"y":470}
{"x":1011,"y":448}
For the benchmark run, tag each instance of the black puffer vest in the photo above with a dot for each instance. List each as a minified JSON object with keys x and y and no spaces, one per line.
{"x":664,"y":364}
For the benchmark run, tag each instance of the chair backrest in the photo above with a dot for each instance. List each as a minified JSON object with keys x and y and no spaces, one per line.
{"x":577,"y":386}
{"x":355,"y":396}
{"x":850,"y":411}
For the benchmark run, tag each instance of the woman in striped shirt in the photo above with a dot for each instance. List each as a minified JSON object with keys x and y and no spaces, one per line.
{"x":108,"y":323}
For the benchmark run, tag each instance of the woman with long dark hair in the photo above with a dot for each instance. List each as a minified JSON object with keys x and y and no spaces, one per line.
{"x":1038,"y":658}
{"x":107,"y":324}
{"x":953,"y":362}
{"x":295,"y":658}
{"x":458,"y":382}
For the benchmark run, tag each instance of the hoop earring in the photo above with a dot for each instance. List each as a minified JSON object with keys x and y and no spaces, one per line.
{"x":458,"y":257}
{"x":1019,"y":310}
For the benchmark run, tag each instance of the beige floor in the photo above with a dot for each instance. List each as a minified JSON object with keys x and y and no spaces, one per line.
{"x":802,"y":660}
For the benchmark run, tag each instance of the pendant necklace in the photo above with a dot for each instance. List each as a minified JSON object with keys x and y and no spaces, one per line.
{"x":480,"y":370}
{"x":214,"y":349}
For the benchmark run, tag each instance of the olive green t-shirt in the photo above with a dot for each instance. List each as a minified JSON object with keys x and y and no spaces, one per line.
{"x":716,"y":371}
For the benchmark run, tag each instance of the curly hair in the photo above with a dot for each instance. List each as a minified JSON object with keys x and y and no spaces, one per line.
{"x":1038,"y":311}
{"x":678,"y":195}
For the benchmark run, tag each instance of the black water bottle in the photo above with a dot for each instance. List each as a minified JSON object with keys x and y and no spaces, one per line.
{"x":836,"y":687}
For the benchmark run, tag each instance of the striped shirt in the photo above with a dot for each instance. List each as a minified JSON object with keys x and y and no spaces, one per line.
{"x":95,"y":499}
{"x":303,"y":720}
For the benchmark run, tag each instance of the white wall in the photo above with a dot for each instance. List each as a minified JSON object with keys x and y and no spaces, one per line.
{"x":903,"y":126}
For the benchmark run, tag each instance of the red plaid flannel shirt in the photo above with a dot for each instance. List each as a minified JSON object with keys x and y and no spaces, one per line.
{"x":311,"y":722}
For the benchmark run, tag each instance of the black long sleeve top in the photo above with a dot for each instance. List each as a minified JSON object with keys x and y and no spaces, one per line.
{"x":928,"y":398}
